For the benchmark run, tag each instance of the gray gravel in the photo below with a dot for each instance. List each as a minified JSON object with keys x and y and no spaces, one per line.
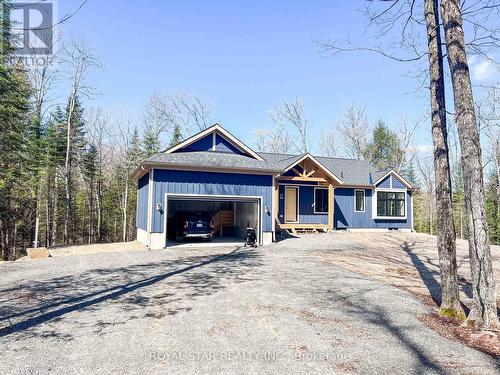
{"x":276,"y":309}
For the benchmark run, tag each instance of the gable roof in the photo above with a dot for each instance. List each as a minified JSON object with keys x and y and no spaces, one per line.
{"x":347,"y":172}
{"x":317,"y":162}
{"x":214,"y":129}
{"x":395,"y":174}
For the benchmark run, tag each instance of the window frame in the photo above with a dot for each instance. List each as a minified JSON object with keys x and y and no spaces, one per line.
{"x":314,"y":201}
{"x":364,"y":200}
{"x":388,"y":190}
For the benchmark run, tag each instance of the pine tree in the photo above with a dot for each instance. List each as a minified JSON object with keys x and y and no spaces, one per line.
{"x":14,"y":131}
{"x":384,"y":151}
{"x":411,"y":175}
{"x":75,"y":144}
{"x":176,"y":136}
{"x":150,"y":142}
{"x":54,"y":161}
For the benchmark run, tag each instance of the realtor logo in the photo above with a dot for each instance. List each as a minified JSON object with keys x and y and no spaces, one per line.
{"x":32,"y":26}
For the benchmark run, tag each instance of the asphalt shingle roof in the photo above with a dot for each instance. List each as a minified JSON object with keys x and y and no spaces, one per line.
{"x":351,"y":172}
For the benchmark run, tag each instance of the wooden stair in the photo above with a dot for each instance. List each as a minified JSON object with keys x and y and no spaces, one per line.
{"x":223,"y":218}
{"x":296,"y":228}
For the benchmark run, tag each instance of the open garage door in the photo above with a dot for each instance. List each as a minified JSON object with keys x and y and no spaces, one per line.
{"x":229,"y":217}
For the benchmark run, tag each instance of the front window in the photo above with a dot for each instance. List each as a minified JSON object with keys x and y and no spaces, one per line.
{"x":359,"y":200}
{"x":320,"y":201}
{"x":390,"y":204}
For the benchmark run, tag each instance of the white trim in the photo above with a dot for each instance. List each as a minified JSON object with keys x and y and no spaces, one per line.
{"x":398,"y":176}
{"x":325,"y":169}
{"x":284,"y":205}
{"x":314,"y":200}
{"x":149,"y":224}
{"x":224,"y":132}
{"x":412,"y":215}
{"x":259,"y":200}
{"x":369,"y":230}
{"x":364,"y":200}
{"x":374,"y":204}
{"x":214,"y":140}
{"x":274,"y":206}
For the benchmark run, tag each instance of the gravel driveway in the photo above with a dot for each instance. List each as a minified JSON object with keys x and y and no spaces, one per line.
{"x":276,"y":309}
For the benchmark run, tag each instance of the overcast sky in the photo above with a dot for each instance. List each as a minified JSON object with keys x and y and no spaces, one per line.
{"x":245,"y":57}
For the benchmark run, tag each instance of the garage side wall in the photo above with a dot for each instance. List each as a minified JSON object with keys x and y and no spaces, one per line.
{"x":210,"y":183}
{"x":142,"y":202}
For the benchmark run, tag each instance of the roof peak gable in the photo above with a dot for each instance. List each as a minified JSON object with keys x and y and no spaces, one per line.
{"x":216,"y":131}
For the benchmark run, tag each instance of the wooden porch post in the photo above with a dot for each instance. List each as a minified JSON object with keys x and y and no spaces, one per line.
{"x":330,"y":206}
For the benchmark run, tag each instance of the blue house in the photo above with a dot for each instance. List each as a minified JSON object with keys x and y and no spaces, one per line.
{"x":215,"y":172}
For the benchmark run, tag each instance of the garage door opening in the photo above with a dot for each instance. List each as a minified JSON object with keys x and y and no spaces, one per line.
{"x":229,"y":217}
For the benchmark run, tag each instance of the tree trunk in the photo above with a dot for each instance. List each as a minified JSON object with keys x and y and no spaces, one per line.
{"x":67,"y":169}
{"x":55,"y":212}
{"x":125,"y":204}
{"x":450,"y":299}
{"x":484,"y":310}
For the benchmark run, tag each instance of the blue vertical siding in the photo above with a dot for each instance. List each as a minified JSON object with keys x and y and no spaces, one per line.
{"x":306,"y":206}
{"x":346,"y":217}
{"x":206,"y":144}
{"x":142,"y":202}
{"x":202,"y":144}
{"x":385,"y":183}
{"x":208,"y":183}
{"x":223,"y":145}
{"x":397,"y":184}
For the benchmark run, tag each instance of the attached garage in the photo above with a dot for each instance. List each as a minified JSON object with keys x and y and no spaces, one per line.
{"x":230,"y":215}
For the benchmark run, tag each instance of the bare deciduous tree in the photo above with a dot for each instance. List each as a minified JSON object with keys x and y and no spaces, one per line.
{"x":354,"y":131}
{"x":98,"y":133}
{"x":189,"y":113}
{"x":292,"y":114}
{"x":406,"y":133}
{"x":79,"y":59}
{"x":328,"y":142}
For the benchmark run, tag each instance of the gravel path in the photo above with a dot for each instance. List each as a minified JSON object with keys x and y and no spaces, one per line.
{"x":277,"y":309}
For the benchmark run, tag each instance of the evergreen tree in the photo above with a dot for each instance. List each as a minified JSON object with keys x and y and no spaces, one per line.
{"x":14,"y":131}
{"x":384,"y":151}
{"x":492,"y":210}
{"x":411,"y":175}
{"x":176,"y":136}
{"x":75,"y":144}
{"x":150,"y":142}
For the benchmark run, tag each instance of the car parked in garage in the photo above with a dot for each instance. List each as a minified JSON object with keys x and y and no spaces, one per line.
{"x":192,"y":225}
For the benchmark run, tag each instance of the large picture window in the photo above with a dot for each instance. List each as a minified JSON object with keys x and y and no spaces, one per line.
{"x":320,"y":201}
{"x":390,"y":204}
{"x":359,"y":200}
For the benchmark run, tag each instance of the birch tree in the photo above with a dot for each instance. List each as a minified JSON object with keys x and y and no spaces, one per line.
{"x":354,"y":131}
{"x":79,"y":60}
{"x":291,"y":113}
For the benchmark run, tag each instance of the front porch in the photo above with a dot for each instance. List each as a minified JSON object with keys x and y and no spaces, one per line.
{"x":305,"y":197}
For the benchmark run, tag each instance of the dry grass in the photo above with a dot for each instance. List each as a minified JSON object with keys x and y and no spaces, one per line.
{"x":61,"y":251}
{"x":406,"y":260}
{"x":410,"y":261}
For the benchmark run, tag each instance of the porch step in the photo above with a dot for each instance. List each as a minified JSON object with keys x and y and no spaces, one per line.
{"x":299,"y":230}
